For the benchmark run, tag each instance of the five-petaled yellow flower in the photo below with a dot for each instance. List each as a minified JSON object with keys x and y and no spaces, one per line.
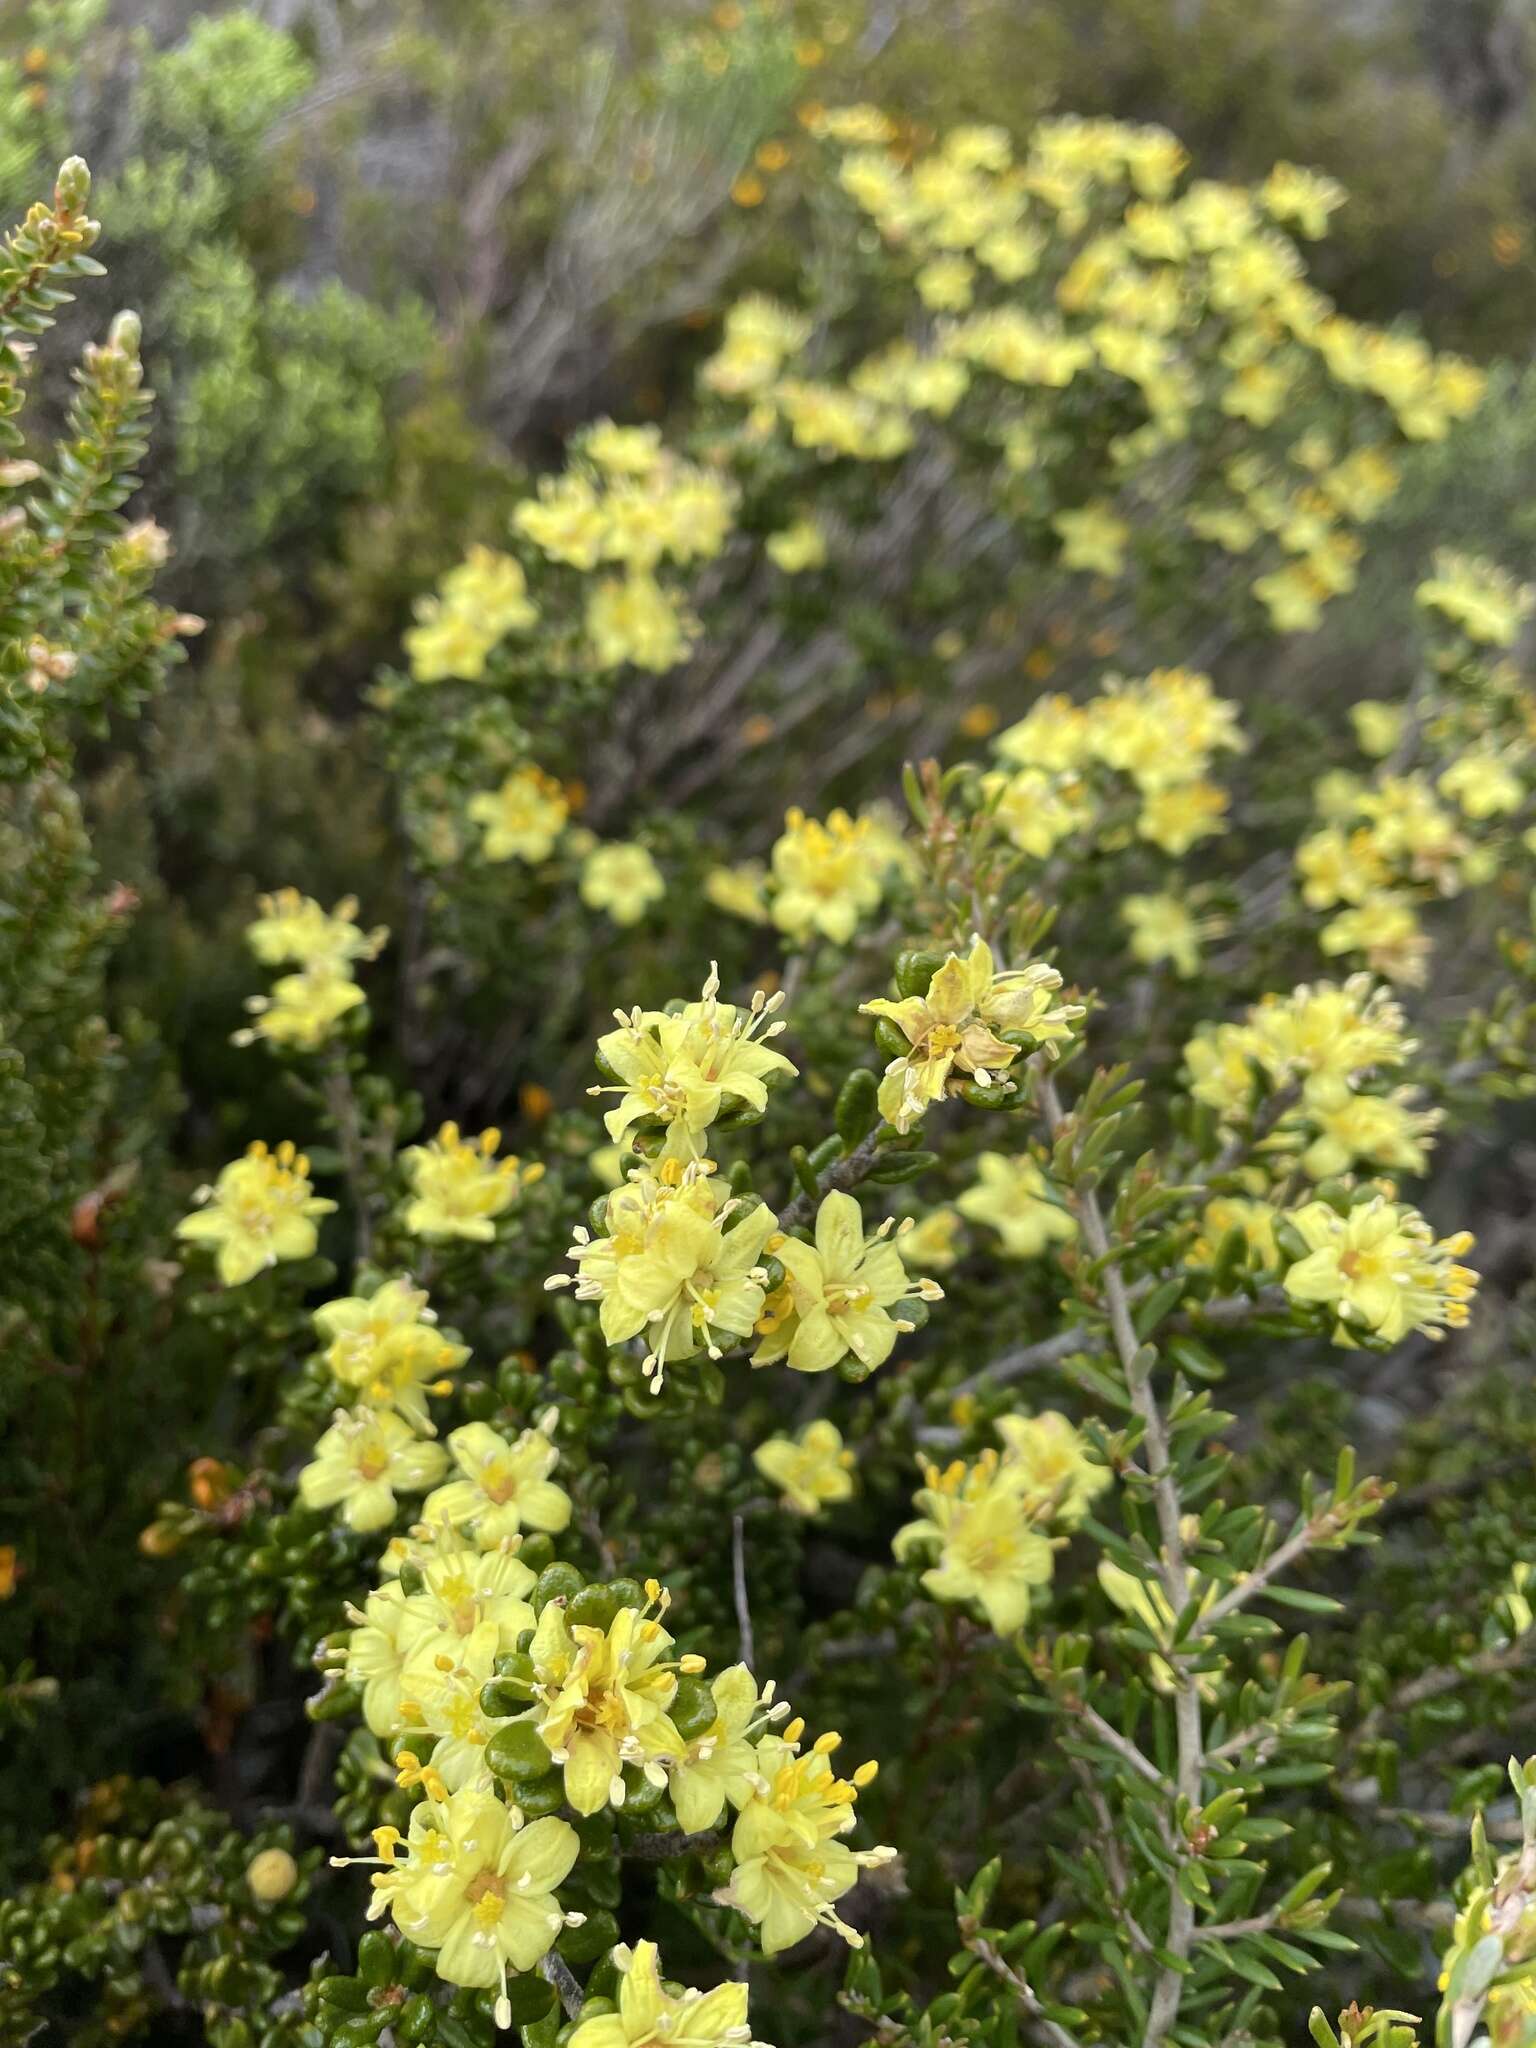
{"x":260,"y":1210}
{"x":460,"y":1187}
{"x":811,"y":1471}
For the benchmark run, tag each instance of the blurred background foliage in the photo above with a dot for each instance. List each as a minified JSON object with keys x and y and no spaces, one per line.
{"x":386,"y":257}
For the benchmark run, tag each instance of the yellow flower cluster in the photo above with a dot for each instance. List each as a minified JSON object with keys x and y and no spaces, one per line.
{"x":469,"y":1585}
{"x":985,"y":1522}
{"x":304,"y":1008}
{"x":1380,"y":1270}
{"x":1483,"y":600}
{"x":385,"y":1350}
{"x":1327,"y":1043}
{"x":1161,"y":733}
{"x":1391,"y":844}
{"x":459,"y":1187}
{"x":627,"y":503}
{"x":261,"y":1210}
{"x":1081,"y":259}
{"x":474,"y":1880}
{"x":953,"y":1031}
{"x":676,"y":1072}
{"x":477,"y":604}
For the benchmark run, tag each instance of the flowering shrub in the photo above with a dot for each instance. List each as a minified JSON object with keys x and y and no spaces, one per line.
{"x":550,"y":1505}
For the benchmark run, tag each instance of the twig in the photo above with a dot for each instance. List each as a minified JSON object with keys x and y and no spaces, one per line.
{"x":661,"y":1848}
{"x":842,"y":1174}
{"x":554,"y":1971}
{"x":739,"y":1588}
{"x":1050,"y":2030}
{"x":1169,"y":1988}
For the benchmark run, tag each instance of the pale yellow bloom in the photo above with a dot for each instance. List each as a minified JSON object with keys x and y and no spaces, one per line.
{"x":811,"y":1471}
{"x":262,"y":1209}
{"x":1381,"y":1270}
{"x":503,"y":1488}
{"x":362,"y":1461}
{"x":621,"y":878}
{"x":955,"y":1026}
{"x":988,"y":1548}
{"x":523,"y":818}
{"x":459,"y":1186}
{"x":1012,"y":1196}
{"x":824,"y":878}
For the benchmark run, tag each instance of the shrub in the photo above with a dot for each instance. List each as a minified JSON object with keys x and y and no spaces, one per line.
{"x":565,"y":1474}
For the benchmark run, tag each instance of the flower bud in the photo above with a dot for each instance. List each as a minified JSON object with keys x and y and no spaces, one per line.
{"x":271,"y":1875}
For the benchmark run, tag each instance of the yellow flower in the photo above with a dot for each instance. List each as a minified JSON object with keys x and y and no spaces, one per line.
{"x":1053,"y":734}
{"x":260,"y":1210}
{"x":798,"y":547}
{"x":622,"y":879}
{"x":1339,"y":867}
{"x":461,"y":1588}
{"x":1378,"y":727}
{"x":459,"y":1186}
{"x":824,"y":878}
{"x":622,"y":451}
{"x":1484,"y":600}
{"x":523,"y":818}
{"x":1092,"y":538}
{"x":444,"y":1677}
{"x":1293,"y":597}
{"x":649,"y":2014}
{"x":479,"y":1888}
{"x":503,"y":1488}
{"x":810,"y":1471}
{"x":945,"y":284}
{"x":759,"y":335}
{"x":956,"y":1026}
{"x":385,"y":1348}
{"x":1148,"y":1606}
{"x":1327,"y":1035}
{"x":668,"y":1267}
{"x":1385,"y":1129}
{"x":719,"y":1767}
{"x":1038,"y":810}
{"x":601,"y":1698}
{"x":680,"y":1071}
{"x":565,"y":521}
{"x":1163,"y":928}
{"x":445,"y":643}
{"x":1381,"y":1269}
{"x":840,"y":1292}
{"x":739,"y":890}
{"x":1385,"y":928}
{"x":1175,"y":818}
{"x":634,"y":620}
{"x":1012,"y":1197}
{"x":362,"y":1461}
{"x":1256,"y":1221}
{"x":303,"y":1010}
{"x":790,"y":1866}
{"x":1483,"y":783}
{"x":1045,"y":1460}
{"x":384,"y":1632}
{"x":1302,"y":198}
{"x":932,"y":1241}
{"x":989,"y":1550}
{"x":479,"y":602}
{"x":294,"y":928}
